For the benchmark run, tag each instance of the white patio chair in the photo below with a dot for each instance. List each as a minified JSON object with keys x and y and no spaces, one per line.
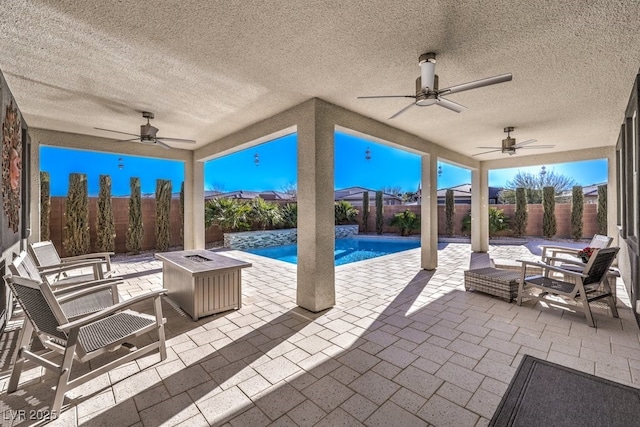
{"x":551,"y":251}
{"x":81,"y":340}
{"x":67,"y":271}
{"x":558,"y":286}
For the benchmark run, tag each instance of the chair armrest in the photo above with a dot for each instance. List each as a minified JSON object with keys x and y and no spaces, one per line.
{"x":60,"y":268}
{"x":63,"y":290}
{"x":552,"y":268}
{"x":94,"y":255}
{"x":67,"y":327}
{"x":87,"y":291}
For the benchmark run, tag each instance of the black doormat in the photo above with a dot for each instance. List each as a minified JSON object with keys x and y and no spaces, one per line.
{"x":547,"y":394}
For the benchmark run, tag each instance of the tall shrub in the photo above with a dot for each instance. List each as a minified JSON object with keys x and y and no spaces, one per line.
{"x":577,"y":209}
{"x":549,"y":226}
{"x":45,"y":206}
{"x":135,"y":230}
{"x":379,"y":213}
{"x":601,"y":217}
{"x":163,"y":220}
{"x":105,"y":228}
{"x":365,"y":212}
{"x":521,"y":215}
{"x":182,"y":211}
{"x":265,"y":214}
{"x":76,"y":231}
{"x":449,"y":211}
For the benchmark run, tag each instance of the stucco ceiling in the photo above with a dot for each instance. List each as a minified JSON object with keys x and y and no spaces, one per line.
{"x":207,"y":69}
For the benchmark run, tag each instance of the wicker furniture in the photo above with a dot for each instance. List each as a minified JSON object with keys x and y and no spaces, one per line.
{"x":493,"y":281}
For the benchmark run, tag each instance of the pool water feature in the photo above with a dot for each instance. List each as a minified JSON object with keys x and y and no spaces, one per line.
{"x":346,"y":250}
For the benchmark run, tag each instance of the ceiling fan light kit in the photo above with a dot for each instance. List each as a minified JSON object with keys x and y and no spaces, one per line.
{"x":509,"y":145}
{"x":428,"y":92}
{"x":149,"y":134}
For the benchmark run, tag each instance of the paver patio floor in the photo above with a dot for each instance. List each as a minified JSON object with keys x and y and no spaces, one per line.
{"x":402,"y":346}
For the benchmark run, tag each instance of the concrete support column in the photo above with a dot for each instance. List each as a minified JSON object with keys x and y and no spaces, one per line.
{"x":316,"y":230}
{"x":612,"y":197}
{"x":194,"y":204}
{"x":480,"y":209}
{"x":429,"y":213}
{"x":34,"y":201}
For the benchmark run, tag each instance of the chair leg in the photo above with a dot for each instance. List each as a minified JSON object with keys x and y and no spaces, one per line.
{"x":587,"y":309}
{"x":65,"y":372}
{"x":520,"y":292}
{"x":18,"y":359}
{"x":160,"y":321}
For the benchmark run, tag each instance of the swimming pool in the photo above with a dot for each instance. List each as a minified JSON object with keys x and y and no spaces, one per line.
{"x":346,"y":251}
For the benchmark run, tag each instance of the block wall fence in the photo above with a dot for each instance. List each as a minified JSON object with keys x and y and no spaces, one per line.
{"x":213,"y":234}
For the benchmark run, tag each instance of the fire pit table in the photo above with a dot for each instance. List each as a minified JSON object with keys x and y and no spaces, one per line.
{"x":202,"y":282}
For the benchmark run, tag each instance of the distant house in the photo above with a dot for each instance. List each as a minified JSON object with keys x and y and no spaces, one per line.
{"x":354,"y":196}
{"x":250,"y":195}
{"x":462,"y":195}
{"x":590,"y":193}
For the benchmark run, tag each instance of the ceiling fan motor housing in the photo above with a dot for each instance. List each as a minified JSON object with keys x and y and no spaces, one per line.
{"x":508,"y":145}
{"x":148,"y":132}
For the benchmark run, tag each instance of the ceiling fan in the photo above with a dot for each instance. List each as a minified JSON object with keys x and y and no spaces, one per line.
{"x":509,"y":145}
{"x":427,"y":92}
{"x":148,"y":134}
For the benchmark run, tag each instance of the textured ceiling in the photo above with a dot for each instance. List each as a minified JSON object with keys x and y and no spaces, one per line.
{"x":207,"y":69}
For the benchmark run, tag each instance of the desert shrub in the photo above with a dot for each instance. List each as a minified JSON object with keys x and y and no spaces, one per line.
{"x":228,"y":214}
{"x":365,"y":212}
{"x":549,"y":226}
{"x":45,"y":206}
{"x":76,"y":231}
{"x":449,"y":211}
{"x":406,"y":221}
{"x":521,"y":215}
{"x":264,"y":214}
{"x":498,"y":221}
{"x":289,"y":214}
{"x":379,"y":212}
{"x":163,"y":212}
{"x":601,"y":217}
{"x":344,"y":213}
{"x":105,"y":227}
{"x":577,"y":209}
{"x":135,"y":229}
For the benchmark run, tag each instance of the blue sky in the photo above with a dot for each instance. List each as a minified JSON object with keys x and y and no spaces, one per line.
{"x":387,"y":167}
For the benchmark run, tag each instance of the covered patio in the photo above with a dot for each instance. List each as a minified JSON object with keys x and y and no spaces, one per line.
{"x":387,"y":341}
{"x":403,"y":346}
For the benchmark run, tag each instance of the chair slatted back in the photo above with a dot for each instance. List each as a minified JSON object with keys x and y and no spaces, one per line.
{"x":599,"y":264}
{"x":599,"y":241}
{"x":23,"y":266}
{"x":44,"y":253}
{"x":39,"y":305}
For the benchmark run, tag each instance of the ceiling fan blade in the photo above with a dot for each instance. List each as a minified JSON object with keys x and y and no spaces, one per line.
{"x":160,"y":143}
{"x":537,"y":146}
{"x":117,"y":131}
{"x":128,"y":140}
{"x":450,"y":105}
{"x":499,"y":148}
{"x":402,"y":111}
{"x":387,"y":96}
{"x":523,"y":143}
{"x":188,"y":141}
{"x":486,"y":152}
{"x":476,"y":84}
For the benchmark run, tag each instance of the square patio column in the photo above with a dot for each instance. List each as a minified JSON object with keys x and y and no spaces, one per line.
{"x":194,"y":232}
{"x":316,"y":229}
{"x":480,"y":210}
{"x":429,"y":213}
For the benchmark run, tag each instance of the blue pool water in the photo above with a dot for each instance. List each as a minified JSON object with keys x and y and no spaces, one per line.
{"x":346,"y":251}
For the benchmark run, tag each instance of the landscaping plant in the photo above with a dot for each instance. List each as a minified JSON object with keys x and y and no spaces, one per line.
{"x":76,"y":231}
{"x":498,"y":221}
{"x":601,"y":216}
{"x":105,"y":228}
{"x":379,"y":213}
{"x":449,"y":211}
{"x":365,"y":212}
{"x":521,"y":215}
{"x":135,"y":230}
{"x":228,"y":214}
{"x":406,"y":221}
{"x":577,"y":209}
{"x":45,"y":206}
{"x":182,"y":211}
{"x":549,"y":226}
{"x":289,"y":214}
{"x":345,"y":213}
{"x":265,"y":214}
{"x":163,"y":219}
